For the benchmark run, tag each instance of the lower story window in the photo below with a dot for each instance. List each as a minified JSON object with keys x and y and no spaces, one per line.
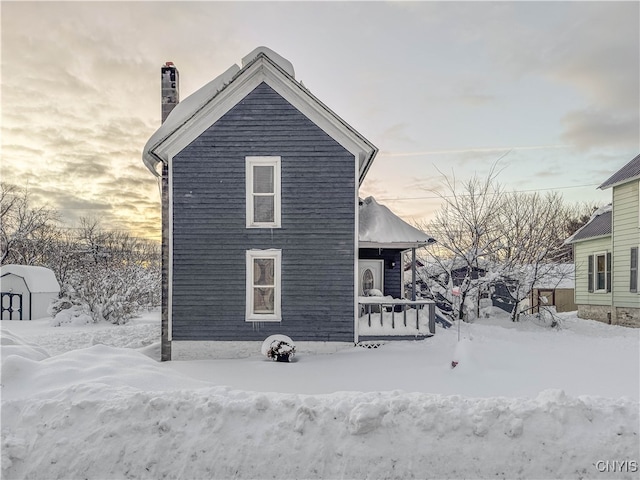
{"x":263,"y":296}
{"x":599,"y":274}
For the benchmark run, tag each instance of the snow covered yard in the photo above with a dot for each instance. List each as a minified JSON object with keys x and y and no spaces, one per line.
{"x":523,"y":402}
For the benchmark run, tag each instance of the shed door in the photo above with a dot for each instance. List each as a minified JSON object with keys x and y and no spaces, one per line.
{"x":371,"y":276}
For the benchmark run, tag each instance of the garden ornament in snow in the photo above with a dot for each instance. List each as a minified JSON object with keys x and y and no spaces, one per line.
{"x":279,"y":348}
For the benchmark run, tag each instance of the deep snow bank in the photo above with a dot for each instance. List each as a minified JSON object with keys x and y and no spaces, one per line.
{"x":100,"y":432}
{"x":108,"y":413}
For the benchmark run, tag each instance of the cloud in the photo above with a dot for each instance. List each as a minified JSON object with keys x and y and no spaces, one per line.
{"x":588,"y":128}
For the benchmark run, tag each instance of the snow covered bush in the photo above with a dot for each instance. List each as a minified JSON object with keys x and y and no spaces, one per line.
{"x":111,"y":275}
{"x":73,"y":316}
{"x":279,"y":348}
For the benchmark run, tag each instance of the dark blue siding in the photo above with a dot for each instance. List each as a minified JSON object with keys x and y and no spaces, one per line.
{"x":210,"y":237}
{"x":392,"y":275}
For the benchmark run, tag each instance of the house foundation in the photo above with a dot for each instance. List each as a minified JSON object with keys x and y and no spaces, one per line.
{"x":623,"y":316}
{"x":628,"y":317}
{"x":207,"y":350}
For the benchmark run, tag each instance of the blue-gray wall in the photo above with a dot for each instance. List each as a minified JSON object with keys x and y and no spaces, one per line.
{"x":210,"y":237}
{"x":392,"y":275}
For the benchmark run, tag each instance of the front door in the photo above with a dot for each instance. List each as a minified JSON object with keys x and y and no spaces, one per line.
{"x":371,"y":276}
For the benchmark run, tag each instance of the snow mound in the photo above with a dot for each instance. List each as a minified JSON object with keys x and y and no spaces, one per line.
{"x":97,"y":431}
{"x":15,"y":345}
{"x":23,"y":376}
{"x":73,"y":316}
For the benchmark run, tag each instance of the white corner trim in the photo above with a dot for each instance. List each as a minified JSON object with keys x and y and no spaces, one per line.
{"x":170,"y":246}
{"x":356,"y":256}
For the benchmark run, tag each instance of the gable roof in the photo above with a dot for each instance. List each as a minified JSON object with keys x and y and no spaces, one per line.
{"x":628,"y":173}
{"x":203,"y":108}
{"x":599,"y":225}
{"x":379,"y":227}
{"x":38,"y":279}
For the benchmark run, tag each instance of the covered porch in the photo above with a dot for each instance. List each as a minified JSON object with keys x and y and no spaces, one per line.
{"x":383,"y":310}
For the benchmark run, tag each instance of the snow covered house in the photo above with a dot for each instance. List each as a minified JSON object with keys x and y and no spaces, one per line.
{"x":27,"y":291}
{"x":263,"y":230}
{"x":605,"y":252}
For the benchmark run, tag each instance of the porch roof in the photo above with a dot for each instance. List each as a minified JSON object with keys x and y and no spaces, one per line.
{"x":379,"y":227}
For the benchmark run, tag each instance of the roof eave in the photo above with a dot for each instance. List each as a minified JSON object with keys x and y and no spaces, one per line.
{"x":365,"y":156}
{"x":604,"y":186}
{"x":595,"y":237}
{"x":394,"y":245}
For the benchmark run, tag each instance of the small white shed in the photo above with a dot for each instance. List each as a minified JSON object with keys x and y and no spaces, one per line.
{"x":27,"y":291}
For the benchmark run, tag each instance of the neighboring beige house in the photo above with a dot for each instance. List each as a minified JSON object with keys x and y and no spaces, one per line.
{"x":605,"y":252}
{"x":556,"y":290}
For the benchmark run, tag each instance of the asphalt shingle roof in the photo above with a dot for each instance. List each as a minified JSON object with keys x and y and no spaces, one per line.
{"x":599,"y":226}
{"x":630,"y":171}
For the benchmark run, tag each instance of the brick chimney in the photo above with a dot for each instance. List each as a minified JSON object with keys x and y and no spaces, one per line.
{"x":170,"y":85}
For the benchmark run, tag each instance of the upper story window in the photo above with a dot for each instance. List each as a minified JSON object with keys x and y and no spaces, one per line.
{"x":263,"y":192}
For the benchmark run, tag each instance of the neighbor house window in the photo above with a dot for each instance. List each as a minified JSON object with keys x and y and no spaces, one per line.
{"x":263,"y":192}
{"x":263,"y":297}
{"x":599,"y":274}
{"x":633,"y":277}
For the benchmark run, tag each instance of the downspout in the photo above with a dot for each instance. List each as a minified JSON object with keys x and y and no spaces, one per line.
{"x":613,"y":316}
{"x":165,"y":344}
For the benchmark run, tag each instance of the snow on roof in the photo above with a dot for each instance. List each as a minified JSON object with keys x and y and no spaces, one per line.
{"x":38,"y":279}
{"x":631,"y":171}
{"x":183,"y":111}
{"x":279,"y":60}
{"x":381,"y":228}
{"x":558,"y":275}
{"x":599,"y":225}
{"x":188,"y":107}
{"x":191,"y":108}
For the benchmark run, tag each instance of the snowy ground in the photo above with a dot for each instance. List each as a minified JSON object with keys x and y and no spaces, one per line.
{"x":523,"y":402}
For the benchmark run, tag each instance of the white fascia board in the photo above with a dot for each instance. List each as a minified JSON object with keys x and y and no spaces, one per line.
{"x":621,"y":182}
{"x":263,"y":70}
{"x":397,"y":246}
{"x":570,"y":240}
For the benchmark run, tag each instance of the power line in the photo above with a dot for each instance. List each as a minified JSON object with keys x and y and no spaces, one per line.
{"x":435,"y":197}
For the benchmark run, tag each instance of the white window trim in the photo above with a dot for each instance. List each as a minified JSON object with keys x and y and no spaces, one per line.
{"x":274,"y":162}
{"x":262,"y":317}
{"x":595,"y":272}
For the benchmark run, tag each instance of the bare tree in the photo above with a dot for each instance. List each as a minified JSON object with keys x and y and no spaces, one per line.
{"x":467,"y":237}
{"x":489,"y":239}
{"x":532,"y":228}
{"x":26,"y":232}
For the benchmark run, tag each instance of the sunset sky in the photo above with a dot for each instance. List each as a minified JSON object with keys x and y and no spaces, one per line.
{"x":447,"y":87}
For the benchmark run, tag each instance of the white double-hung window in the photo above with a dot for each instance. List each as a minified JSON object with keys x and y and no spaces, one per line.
{"x":263,"y":192}
{"x":599,"y":272}
{"x":263,"y":299}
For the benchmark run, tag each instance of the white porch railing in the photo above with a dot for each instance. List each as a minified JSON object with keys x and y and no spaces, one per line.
{"x":386,"y":316}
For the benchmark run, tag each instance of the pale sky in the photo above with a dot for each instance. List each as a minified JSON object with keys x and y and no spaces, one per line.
{"x":446,"y":86}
